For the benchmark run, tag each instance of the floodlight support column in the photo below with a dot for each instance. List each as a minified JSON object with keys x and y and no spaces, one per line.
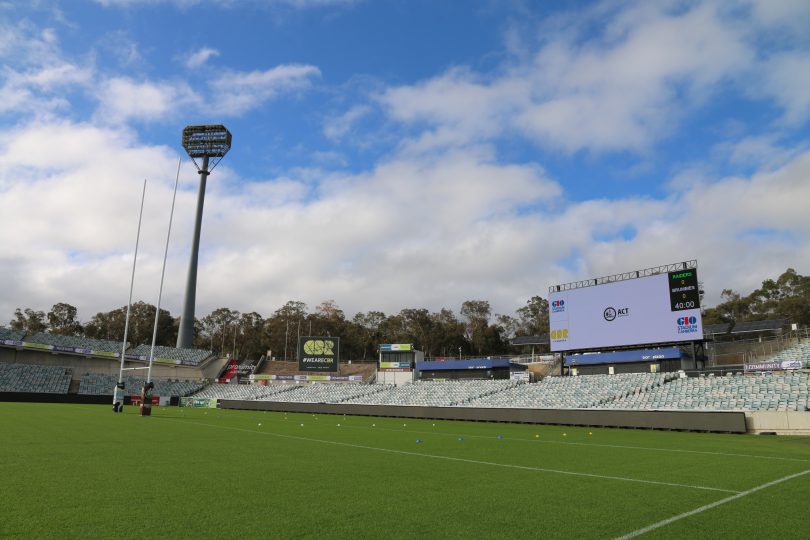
{"x":185,"y":336}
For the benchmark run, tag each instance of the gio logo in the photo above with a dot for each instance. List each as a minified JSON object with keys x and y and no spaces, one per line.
{"x":558,"y":306}
{"x":687,"y":325}
{"x":559,"y":334}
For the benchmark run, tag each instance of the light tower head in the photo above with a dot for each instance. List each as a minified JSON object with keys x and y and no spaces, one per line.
{"x":211,"y":141}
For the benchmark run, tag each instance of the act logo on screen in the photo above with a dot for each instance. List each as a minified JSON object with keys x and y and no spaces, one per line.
{"x":558,"y":335}
{"x":611,"y":313}
{"x":558,"y":306}
{"x":687,"y":325}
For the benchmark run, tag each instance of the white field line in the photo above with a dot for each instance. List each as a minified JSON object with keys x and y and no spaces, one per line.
{"x":709,"y":506}
{"x":598,"y":445}
{"x":463,"y":460}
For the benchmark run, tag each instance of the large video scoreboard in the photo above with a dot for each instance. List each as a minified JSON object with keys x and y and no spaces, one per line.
{"x":659,"y":308}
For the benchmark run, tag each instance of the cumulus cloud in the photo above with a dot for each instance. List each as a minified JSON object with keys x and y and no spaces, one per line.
{"x":235,"y":92}
{"x":614,"y":77}
{"x":200,"y":57}
{"x":440,"y":219}
{"x":121,"y":99}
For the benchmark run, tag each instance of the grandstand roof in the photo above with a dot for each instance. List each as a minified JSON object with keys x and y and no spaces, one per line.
{"x":478,"y":363}
{"x":617,"y":357}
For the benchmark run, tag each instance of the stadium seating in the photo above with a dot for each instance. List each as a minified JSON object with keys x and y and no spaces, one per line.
{"x":799,"y":352}
{"x":750,"y":392}
{"x":34,"y":378}
{"x":249,"y":392}
{"x":188,"y":357}
{"x":435,"y":394}
{"x":11,"y":335}
{"x":326,"y":393}
{"x":99,"y":384}
{"x":75,"y":342}
{"x":573,"y":392}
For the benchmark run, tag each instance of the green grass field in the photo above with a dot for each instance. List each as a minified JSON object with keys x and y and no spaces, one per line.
{"x":76,"y":471}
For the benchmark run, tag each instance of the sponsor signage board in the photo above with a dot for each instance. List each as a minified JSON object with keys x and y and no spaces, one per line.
{"x":395,"y":365}
{"x":660,"y":308}
{"x":390,"y":347}
{"x":200,"y":403}
{"x":775,"y":366}
{"x":318,"y":353}
{"x":265,"y":377}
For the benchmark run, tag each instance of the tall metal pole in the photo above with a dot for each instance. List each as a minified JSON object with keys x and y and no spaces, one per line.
{"x":162,"y":275}
{"x":118,"y":393}
{"x":185,"y":336}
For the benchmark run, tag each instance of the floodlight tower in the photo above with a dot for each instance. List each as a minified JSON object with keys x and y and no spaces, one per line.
{"x":210,"y":142}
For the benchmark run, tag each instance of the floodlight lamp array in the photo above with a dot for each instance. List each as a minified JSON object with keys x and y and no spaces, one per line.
{"x":673,"y":267}
{"x":211,"y":141}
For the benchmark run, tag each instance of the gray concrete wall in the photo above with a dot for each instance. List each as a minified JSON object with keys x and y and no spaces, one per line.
{"x":727,"y":421}
{"x":779,"y":422}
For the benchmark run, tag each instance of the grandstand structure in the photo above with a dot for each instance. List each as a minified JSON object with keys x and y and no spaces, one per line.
{"x":57,"y":365}
{"x":45,"y":365}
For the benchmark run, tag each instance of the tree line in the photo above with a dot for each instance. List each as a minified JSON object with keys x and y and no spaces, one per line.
{"x":787,"y":297}
{"x":474,"y":331}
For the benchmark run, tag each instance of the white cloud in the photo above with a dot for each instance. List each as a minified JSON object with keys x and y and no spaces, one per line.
{"x":235,"y":92}
{"x":337,"y":127}
{"x":298,"y":4}
{"x":787,"y":78}
{"x":35,"y":78}
{"x":122,"y":99}
{"x":614,"y":77}
{"x":200,"y":57}
{"x":412,"y":232}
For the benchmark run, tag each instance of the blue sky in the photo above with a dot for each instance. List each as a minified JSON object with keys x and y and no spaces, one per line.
{"x":398,"y":154}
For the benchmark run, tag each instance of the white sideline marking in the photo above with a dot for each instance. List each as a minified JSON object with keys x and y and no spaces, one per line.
{"x":709,"y":506}
{"x":464,"y":460}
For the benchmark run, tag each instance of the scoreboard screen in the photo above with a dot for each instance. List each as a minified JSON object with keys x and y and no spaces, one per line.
{"x":660,"y":308}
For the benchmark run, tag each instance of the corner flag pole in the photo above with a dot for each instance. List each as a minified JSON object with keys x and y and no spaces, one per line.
{"x":162,"y":274}
{"x":118,"y":387}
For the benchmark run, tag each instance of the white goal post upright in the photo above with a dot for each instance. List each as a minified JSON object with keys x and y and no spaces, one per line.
{"x":118,"y":392}
{"x":149,"y":384}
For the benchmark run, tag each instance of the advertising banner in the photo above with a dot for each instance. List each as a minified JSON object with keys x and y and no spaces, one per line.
{"x":774,"y":366}
{"x":390,"y":347}
{"x":395,"y":365}
{"x":318,"y":353}
{"x":199,"y":403}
